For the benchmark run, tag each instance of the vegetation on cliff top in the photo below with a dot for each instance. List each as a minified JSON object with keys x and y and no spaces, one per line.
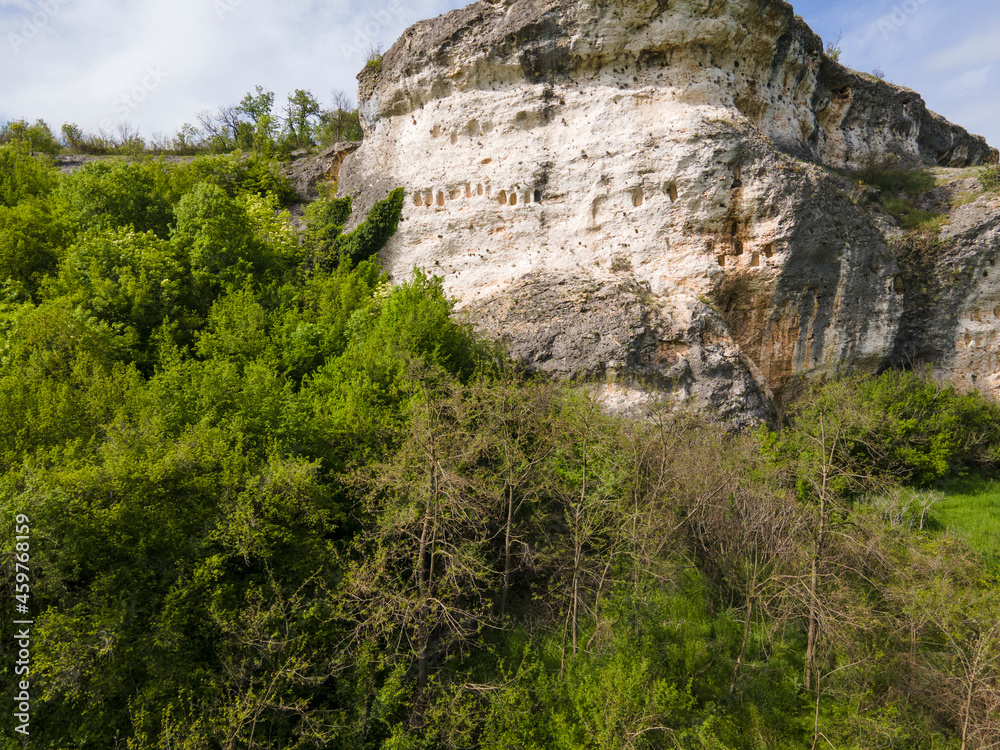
{"x":252,"y":125}
{"x":276,"y":503}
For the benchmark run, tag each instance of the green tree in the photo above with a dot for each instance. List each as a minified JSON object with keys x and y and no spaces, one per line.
{"x":258,"y":108}
{"x":132,"y":281}
{"x":73,"y":137}
{"x":219,"y":239}
{"x":37,"y":136}
{"x":300,"y":111}
{"x":31,"y":241}
{"x":341,"y":122}
{"x":108,"y":195}
{"x":425,"y":579}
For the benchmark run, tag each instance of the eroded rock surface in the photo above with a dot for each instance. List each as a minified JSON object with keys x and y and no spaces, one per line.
{"x":651,"y":193}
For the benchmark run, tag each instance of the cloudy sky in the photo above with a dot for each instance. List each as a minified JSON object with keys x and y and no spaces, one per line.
{"x":157,"y":64}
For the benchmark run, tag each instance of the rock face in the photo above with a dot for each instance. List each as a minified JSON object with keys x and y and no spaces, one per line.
{"x":651,"y":192}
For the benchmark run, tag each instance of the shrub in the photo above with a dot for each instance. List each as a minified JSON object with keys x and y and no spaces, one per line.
{"x":374,"y":59}
{"x":888,"y":176}
{"x":909,"y":427}
{"x":23,"y":175}
{"x":989,"y":178}
{"x":105,"y":195}
{"x":37,"y":137}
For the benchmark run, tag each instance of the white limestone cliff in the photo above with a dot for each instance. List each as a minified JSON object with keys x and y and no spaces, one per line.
{"x":646,"y":193}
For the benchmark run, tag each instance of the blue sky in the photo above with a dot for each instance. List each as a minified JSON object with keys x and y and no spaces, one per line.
{"x":157,"y":64}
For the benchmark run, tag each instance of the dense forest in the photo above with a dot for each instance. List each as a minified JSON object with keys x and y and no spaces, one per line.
{"x":275,"y":502}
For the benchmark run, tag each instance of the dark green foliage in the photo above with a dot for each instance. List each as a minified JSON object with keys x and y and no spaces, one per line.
{"x":30,"y":242}
{"x":926,"y":429}
{"x":114,"y":194}
{"x":901,"y":425}
{"x":371,"y":234}
{"x":326,"y":217}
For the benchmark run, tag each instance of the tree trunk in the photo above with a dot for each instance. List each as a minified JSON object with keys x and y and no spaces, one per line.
{"x":506,"y":550}
{"x":743,"y":646}
{"x":814,"y":624}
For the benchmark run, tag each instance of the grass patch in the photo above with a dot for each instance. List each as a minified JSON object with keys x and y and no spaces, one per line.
{"x":911,"y":216}
{"x":893,"y":180}
{"x":898,"y":187}
{"x":944,"y":175}
{"x":964,"y":199}
{"x":971,"y":510}
{"x":989,"y":178}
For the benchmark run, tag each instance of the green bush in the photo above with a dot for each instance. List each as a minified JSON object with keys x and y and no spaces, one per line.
{"x":371,"y":235}
{"x":901,"y":425}
{"x":890,"y":178}
{"x":989,"y":178}
{"x":30,"y":243}
{"x":37,"y":137}
{"x":113,"y":194}
{"x":23,"y":175}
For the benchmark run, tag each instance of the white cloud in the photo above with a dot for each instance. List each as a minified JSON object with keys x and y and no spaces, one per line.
{"x":977,"y":48}
{"x":950,"y":59}
{"x":89,"y":61}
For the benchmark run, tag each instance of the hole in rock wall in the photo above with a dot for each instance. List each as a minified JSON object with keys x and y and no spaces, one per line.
{"x":513,"y":199}
{"x":472,"y":128}
{"x":479,"y":189}
{"x":538,"y":196}
{"x":440,"y":200}
{"x":734,"y":229}
{"x":755,"y":259}
{"x":637,"y":197}
{"x":502,"y":197}
{"x":429,"y":198}
{"x":737,"y":177}
{"x":468,"y":190}
{"x":455,"y":194}
{"x":418,"y":199}
{"x":435,"y":131}
{"x":527,"y":196}
{"x":738,"y":247}
{"x":454,"y":138}
{"x":672,"y":191}
{"x":769,"y":250}
{"x":722,"y":260}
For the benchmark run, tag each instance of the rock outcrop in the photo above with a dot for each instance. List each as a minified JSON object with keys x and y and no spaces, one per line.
{"x":652,"y":193}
